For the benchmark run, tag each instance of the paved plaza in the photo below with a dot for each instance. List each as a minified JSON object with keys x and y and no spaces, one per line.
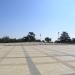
{"x":37,"y":59}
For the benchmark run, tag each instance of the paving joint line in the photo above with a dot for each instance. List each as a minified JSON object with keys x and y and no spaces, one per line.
{"x":6,"y":54}
{"x":32,"y":67}
{"x":62,"y":62}
{"x":61,"y":52}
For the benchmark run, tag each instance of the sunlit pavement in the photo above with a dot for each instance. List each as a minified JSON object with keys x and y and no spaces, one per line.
{"x":37,"y":60}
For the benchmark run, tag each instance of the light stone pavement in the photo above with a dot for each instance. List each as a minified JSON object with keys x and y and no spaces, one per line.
{"x":37,"y":59}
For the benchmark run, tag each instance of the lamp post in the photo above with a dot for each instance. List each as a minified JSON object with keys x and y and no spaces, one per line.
{"x":58,"y":35}
{"x":40,"y":36}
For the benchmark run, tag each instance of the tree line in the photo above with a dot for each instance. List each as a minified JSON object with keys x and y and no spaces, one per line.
{"x":65,"y":38}
{"x":30,"y":37}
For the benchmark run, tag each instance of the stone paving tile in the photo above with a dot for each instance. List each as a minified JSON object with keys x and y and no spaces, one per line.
{"x":36,"y":54}
{"x":37,"y":60}
{"x":54,"y":69}
{"x":72,"y":63}
{"x":11,"y":61}
{"x":14,"y":70}
{"x":43,"y":60}
{"x":65,"y":58}
{"x":4,"y":50}
{"x":15,"y":54}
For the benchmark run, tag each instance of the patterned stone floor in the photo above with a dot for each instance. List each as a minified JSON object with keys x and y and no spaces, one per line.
{"x":37,"y":60}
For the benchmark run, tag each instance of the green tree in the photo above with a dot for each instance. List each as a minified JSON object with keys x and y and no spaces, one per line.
{"x":47,"y":39}
{"x":64,"y":38}
{"x":30,"y":37}
{"x":6,"y":39}
{"x":73,"y":40}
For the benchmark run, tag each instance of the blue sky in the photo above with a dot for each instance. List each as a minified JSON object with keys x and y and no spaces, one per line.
{"x":48,"y":17}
